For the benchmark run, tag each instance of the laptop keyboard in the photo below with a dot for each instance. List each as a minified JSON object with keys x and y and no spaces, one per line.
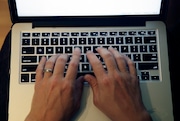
{"x":138,"y":45}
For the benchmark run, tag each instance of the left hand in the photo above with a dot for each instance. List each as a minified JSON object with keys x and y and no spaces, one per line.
{"x":56,"y":98}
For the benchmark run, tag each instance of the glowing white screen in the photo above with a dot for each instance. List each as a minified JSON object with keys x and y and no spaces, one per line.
{"x":87,"y":7}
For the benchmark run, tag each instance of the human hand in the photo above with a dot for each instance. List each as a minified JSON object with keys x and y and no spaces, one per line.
{"x":56,"y":98}
{"x":116,"y":92}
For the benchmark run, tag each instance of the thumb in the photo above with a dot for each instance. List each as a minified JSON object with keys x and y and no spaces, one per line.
{"x":92,"y":82}
{"x":78,"y":90}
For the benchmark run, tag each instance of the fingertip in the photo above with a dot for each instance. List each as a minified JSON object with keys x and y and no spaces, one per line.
{"x":91,"y":80}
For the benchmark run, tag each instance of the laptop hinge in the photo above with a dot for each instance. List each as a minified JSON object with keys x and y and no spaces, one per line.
{"x":89,"y":23}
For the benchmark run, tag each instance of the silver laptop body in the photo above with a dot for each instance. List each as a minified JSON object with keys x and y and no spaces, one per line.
{"x":155,"y":87}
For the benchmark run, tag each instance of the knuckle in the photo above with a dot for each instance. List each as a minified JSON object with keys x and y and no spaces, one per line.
{"x":106,"y":81}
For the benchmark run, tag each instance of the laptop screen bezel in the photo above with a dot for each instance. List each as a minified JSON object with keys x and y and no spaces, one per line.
{"x":89,"y":20}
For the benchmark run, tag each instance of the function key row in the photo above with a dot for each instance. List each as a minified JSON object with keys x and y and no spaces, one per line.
{"x":57,"y":34}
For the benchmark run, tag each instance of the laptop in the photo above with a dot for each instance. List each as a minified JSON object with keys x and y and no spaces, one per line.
{"x":47,"y":27}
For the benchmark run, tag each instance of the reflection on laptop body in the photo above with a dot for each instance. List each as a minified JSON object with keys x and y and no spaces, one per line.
{"x":134,"y":28}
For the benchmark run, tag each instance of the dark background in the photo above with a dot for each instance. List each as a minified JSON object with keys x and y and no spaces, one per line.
{"x":173,"y":30}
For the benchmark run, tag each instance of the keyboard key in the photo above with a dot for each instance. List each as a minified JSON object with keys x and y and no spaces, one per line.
{"x":24,"y":77}
{"x":40,"y":50}
{"x":29,"y":59}
{"x":26,"y":41}
{"x":149,"y":40}
{"x":28,"y":68}
{"x":26,"y":34}
{"x":27,"y":50}
{"x":46,"y":34}
{"x":36,"y":34}
{"x":150,"y":57}
{"x":148,"y":66}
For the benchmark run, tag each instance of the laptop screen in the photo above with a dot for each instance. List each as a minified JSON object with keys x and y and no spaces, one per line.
{"x":37,"y":8}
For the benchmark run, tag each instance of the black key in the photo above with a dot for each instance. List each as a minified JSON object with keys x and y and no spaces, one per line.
{"x":119,"y":40}
{"x":151,"y":32}
{"x":26,"y":34}
{"x":73,"y":41}
{"x":101,"y":40}
{"x":45,"y":41}
{"x":29,"y":59}
{"x":27,"y":50}
{"x":150,"y":57}
{"x":25,"y":41}
{"x":82,"y":41}
{"x":68,"y":49}
{"x":55,"y":34}
{"x":132,"y":33}
{"x":74,"y":33}
{"x":40,"y":50}
{"x":54,"y":41}
{"x":91,"y":40}
{"x":138,"y":40}
{"x":122,"y":33}
{"x":45,"y":34}
{"x":33,"y":77}
{"x":84,"y":33}
{"x":83,"y":73}
{"x":142,"y":32}
{"x":129,"y":40}
{"x":24,"y":77}
{"x":149,"y":40}
{"x":124,"y":49}
{"x":85,"y":67}
{"x":143,"y":48}
{"x":113,"y":33}
{"x":63,"y":41}
{"x":148,"y":66}
{"x":59,"y":50}
{"x":134,"y":48}
{"x":155,"y":77}
{"x":145,"y":75}
{"x":49,"y":50}
{"x":65,"y":34}
{"x":36,"y":34}
{"x":103,"y":33}
{"x":152,"y":48}
{"x":136,"y":57}
{"x":28,"y":68}
{"x":35,"y":41}
{"x":110,"y":40}
{"x":94,"y":33}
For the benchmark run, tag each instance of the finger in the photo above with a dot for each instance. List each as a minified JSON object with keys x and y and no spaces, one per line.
{"x":73,"y":65}
{"x":120,"y":60}
{"x":39,"y":69}
{"x":96,"y":64}
{"x":50,"y":65}
{"x":108,"y":59}
{"x":60,"y":65}
{"x":93,"y":83}
{"x":131,"y":65}
{"x":78,"y":90}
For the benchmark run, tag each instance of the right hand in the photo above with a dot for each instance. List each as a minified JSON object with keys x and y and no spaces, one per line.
{"x":116,"y":92}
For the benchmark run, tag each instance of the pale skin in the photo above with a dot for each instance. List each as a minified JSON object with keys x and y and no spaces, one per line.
{"x":116,"y":92}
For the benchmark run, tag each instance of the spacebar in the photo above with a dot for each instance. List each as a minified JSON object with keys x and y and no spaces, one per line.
{"x":148,"y":66}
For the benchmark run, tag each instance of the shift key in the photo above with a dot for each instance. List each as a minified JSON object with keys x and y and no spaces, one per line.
{"x":148,"y":66}
{"x":28,"y":68}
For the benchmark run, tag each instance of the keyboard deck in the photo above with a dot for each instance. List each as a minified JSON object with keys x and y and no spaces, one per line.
{"x":139,"y":45}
